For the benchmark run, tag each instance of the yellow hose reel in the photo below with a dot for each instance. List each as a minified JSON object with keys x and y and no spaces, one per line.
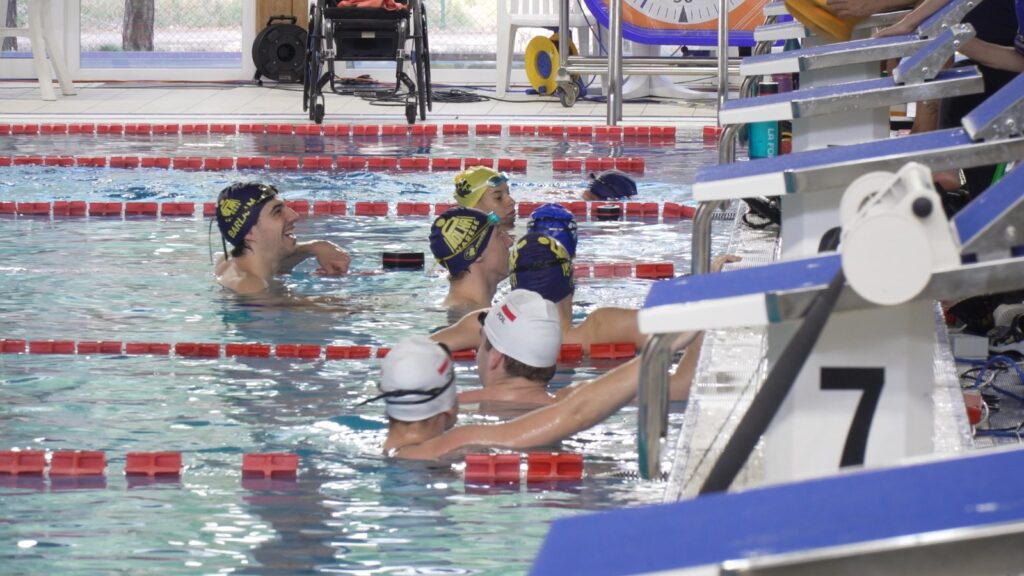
{"x":542,"y":63}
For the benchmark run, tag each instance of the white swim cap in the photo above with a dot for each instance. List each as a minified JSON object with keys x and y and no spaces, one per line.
{"x":417,"y":380}
{"x":526,"y":327}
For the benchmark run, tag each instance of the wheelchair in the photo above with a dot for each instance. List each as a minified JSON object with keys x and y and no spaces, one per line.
{"x":351,"y":34}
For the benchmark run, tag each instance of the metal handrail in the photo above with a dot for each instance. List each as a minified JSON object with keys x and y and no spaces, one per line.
{"x":723,"y":52}
{"x":614,"y":92}
{"x":652,"y":401}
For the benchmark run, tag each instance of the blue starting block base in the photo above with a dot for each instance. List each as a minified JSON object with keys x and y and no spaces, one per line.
{"x":850,"y":517}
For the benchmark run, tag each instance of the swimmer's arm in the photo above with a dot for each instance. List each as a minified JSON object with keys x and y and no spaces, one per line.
{"x":680,"y":382}
{"x":590,"y":403}
{"x":462,"y":335}
{"x":332,"y":260}
{"x":611,"y":325}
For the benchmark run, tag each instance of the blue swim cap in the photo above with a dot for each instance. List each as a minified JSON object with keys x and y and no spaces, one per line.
{"x":459,"y":236}
{"x":238,"y":208}
{"x":541,"y":264}
{"x":611,"y":185}
{"x":557,"y":222}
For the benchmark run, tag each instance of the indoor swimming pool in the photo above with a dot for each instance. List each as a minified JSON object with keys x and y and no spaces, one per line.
{"x":149,"y":279}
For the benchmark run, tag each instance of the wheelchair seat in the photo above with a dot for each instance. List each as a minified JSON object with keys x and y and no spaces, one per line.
{"x":368,"y":34}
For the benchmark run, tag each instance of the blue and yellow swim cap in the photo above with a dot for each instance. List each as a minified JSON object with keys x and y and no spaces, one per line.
{"x":471,"y":183}
{"x":459,"y":236}
{"x":540,"y":263}
{"x":557,"y":222}
{"x":238,"y":208}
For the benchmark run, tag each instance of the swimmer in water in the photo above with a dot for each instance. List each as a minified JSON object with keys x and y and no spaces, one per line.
{"x":261,"y":230}
{"x":473,"y":248}
{"x":486,"y":190}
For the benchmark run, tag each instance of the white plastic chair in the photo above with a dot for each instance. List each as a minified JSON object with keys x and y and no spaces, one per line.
{"x":40,"y":32}
{"x":515,"y":14}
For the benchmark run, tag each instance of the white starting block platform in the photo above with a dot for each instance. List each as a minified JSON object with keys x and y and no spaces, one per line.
{"x":856,"y":51}
{"x":918,"y":77}
{"x":782,"y":291}
{"x":956,"y":516}
{"x":991,"y":134}
{"x":838,"y":98}
{"x":776,"y":8}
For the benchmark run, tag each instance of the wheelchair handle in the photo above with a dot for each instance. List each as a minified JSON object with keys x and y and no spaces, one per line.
{"x":290,"y":19}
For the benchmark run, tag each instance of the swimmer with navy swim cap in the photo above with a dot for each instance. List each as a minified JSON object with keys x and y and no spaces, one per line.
{"x":609,"y":185}
{"x":261,"y":230}
{"x":416,"y":385}
{"x":486,"y":190}
{"x":554,"y":220}
{"x":541,"y":264}
{"x":473,"y":248}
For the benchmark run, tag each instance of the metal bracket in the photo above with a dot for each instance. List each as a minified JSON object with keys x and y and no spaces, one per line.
{"x":1007,"y":124}
{"x":930,"y":61}
{"x":954,"y":14}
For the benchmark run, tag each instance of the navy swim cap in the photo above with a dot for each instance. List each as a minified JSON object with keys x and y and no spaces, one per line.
{"x":459,"y":236}
{"x":238,"y":208}
{"x":557,"y":222}
{"x":611,"y":185}
{"x":541,"y":264}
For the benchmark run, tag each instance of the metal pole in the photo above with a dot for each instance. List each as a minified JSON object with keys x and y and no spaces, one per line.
{"x":708,"y":63}
{"x":648,"y":70}
{"x":563,"y":34}
{"x":700,"y":248}
{"x":614,"y":88}
{"x":723,"y":52}
{"x":652,"y":403}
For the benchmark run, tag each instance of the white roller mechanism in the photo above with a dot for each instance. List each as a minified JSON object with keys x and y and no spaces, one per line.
{"x":895,"y":234}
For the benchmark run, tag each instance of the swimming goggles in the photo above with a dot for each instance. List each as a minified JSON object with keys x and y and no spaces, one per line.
{"x":428,"y":395}
{"x":497,"y":180}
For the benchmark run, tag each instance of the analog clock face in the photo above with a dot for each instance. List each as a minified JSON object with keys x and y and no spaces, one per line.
{"x":680,"y":11}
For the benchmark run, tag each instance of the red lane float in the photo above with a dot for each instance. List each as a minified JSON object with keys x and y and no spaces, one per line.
{"x":347,"y":352}
{"x":153,"y":464}
{"x":489,"y":468}
{"x":567,"y":353}
{"x":77,"y":463}
{"x":553,"y":467}
{"x":270,"y":465}
{"x":22,"y":462}
{"x":101,"y":347}
{"x":150,"y":348}
{"x":570,"y":353}
{"x":306,"y":351}
{"x":247,"y":350}
{"x":579,"y":209}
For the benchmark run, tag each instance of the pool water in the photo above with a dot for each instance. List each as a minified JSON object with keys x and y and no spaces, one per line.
{"x":349,"y":510}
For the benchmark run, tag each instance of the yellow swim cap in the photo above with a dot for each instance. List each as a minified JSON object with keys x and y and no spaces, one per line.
{"x":471,"y":183}
{"x":815,"y":15}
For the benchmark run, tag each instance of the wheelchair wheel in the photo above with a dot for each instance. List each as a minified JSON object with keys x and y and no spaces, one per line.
{"x":426,"y":60}
{"x":307,"y":81}
{"x":311,"y":85}
{"x":419,"y":59}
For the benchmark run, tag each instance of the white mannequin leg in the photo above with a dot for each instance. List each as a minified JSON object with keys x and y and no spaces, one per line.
{"x":35,"y":33}
{"x":56,"y":51}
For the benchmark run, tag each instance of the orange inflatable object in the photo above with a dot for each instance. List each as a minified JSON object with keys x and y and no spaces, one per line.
{"x":814,"y":15}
